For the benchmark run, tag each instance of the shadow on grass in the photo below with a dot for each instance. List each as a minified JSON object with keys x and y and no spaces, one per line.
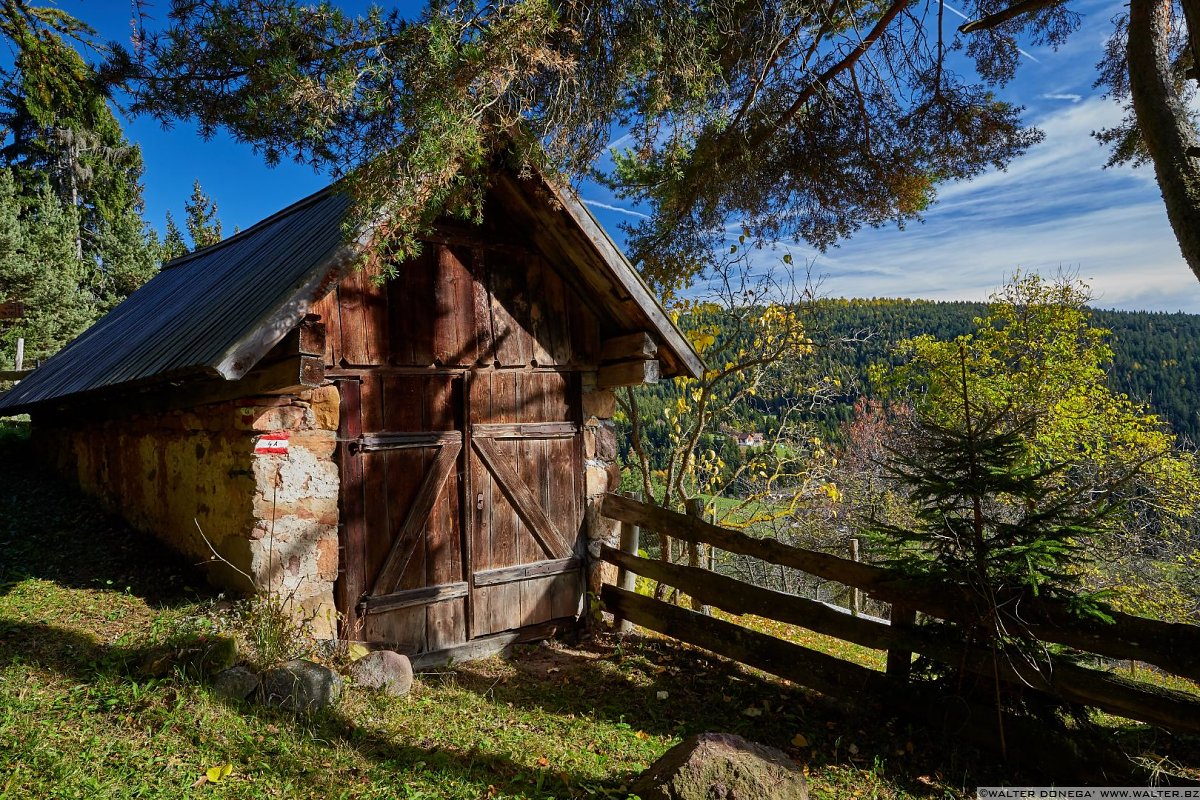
{"x":49,"y":530}
{"x":111,"y":678}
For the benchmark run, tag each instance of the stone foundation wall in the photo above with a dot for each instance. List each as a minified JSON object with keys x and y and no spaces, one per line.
{"x":603,"y":475}
{"x":193,"y":479}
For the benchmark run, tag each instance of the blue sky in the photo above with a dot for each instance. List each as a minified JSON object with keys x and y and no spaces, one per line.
{"x":1055,"y":209}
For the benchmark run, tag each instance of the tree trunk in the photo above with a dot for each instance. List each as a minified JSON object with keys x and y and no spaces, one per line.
{"x":1163,"y":122}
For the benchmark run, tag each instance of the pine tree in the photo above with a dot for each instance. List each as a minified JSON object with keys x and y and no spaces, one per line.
{"x":991,"y":513}
{"x":66,"y":147}
{"x":202,"y":223}
{"x":173,"y":244}
{"x":39,"y":266}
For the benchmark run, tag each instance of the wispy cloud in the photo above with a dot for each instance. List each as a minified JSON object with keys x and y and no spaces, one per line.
{"x":618,"y":209}
{"x":1055,"y":209}
{"x":1071,"y":98}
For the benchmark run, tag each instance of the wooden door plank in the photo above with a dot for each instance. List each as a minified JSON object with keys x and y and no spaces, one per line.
{"x":567,"y":595}
{"x":557,"y":314}
{"x":401,"y":326}
{"x":525,"y":457}
{"x":440,"y":403}
{"x":413,"y":574}
{"x":403,"y":630}
{"x":498,"y":608}
{"x":540,"y":346}
{"x":371,"y":401}
{"x":445,"y":622}
{"x":375,"y":308}
{"x":537,"y":569}
{"x":327,"y":309}
{"x":377,"y":489}
{"x":355,"y":351}
{"x":522,"y":501}
{"x":509,"y":310}
{"x":415,"y":597}
{"x":454,"y":326}
{"x":351,"y":582}
{"x":467,"y":511}
{"x":484,"y":336}
{"x":405,"y":396}
{"x":537,"y":600}
{"x":527,"y":430}
{"x":409,"y":536}
{"x":420,"y":306}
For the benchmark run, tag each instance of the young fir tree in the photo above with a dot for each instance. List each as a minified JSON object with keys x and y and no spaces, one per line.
{"x":202,"y":223}
{"x":173,"y":244}
{"x":991,"y":513}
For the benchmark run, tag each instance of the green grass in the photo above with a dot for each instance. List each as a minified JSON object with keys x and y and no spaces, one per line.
{"x":86,"y":604}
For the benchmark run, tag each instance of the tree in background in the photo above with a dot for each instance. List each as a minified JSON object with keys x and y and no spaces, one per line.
{"x":804,"y":120}
{"x":760,"y":378}
{"x":1030,"y":384}
{"x":173,"y":244}
{"x":66,"y":146}
{"x":203,"y":226}
{"x":39,"y":264}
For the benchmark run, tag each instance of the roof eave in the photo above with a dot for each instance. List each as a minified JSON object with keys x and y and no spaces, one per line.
{"x":629,"y":280}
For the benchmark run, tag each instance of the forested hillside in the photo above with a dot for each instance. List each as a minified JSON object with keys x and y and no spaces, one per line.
{"x":1156,"y":360}
{"x":1156,"y":355}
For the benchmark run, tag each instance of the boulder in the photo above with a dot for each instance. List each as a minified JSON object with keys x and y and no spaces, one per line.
{"x":300,"y":685}
{"x":385,"y":671}
{"x":721,"y":766}
{"x":236,"y":683}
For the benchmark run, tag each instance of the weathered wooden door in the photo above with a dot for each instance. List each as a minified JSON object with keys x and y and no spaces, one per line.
{"x":527,"y":506}
{"x":404,"y":573}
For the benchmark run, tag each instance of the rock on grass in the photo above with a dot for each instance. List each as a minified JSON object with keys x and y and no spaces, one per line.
{"x":300,"y":685}
{"x":722,"y":766}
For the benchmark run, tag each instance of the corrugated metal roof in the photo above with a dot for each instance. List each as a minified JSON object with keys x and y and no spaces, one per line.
{"x":217,"y":311}
{"x":198,"y":312}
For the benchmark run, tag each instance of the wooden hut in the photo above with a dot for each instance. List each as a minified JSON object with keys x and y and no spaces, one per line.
{"x":412,"y":459}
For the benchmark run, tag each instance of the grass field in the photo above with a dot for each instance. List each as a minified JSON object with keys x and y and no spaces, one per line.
{"x":84,"y":600}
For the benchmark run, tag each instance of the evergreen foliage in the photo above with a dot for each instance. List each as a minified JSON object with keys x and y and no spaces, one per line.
{"x":203,"y":225}
{"x":765,"y":113}
{"x":991,"y":510}
{"x":76,"y":242}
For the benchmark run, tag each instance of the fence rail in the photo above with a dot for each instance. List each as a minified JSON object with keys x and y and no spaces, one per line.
{"x":1171,"y":646}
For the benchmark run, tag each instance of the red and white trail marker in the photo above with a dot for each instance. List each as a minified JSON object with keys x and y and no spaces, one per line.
{"x":272,"y":444}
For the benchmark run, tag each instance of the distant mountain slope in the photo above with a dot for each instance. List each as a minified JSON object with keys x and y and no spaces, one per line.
{"x":1156,"y":355}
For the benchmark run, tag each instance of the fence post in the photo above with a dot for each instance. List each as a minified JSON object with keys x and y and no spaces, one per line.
{"x":695,"y":508}
{"x":855,"y":592}
{"x":899,"y":662}
{"x":630,"y":540}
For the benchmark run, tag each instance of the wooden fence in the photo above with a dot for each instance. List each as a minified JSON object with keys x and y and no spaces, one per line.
{"x":1172,"y":647}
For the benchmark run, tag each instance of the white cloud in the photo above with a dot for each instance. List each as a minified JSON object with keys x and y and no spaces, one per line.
{"x":1068,"y":96}
{"x":1055,"y":209}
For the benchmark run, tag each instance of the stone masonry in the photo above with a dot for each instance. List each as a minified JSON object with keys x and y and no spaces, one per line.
{"x":203,"y":480}
{"x":603,"y":475}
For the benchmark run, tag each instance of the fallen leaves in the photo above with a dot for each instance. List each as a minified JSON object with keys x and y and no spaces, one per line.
{"x":214,"y":775}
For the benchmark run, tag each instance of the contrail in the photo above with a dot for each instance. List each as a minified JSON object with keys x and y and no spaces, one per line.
{"x":954,"y":10}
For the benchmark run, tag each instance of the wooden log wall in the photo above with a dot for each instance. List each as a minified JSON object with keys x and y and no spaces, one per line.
{"x":461,"y":306}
